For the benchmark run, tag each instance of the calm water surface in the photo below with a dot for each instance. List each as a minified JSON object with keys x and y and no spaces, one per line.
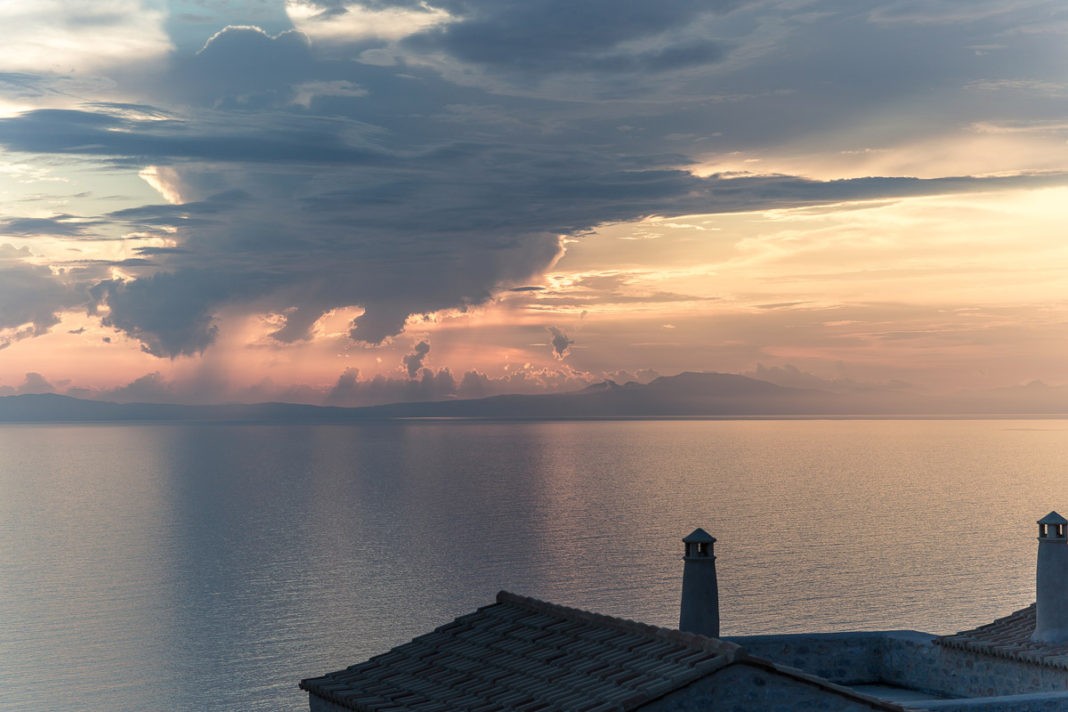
{"x":195,"y":567}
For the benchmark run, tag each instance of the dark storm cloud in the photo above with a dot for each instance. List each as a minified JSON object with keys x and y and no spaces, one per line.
{"x":445,"y":226}
{"x":563,"y":36}
{"x":31,"y":297}
{"x":245,"y":68}
{"x":201,"y":212}
{"x":346,"y":390}
{"x":560,"y":342}
{"x":313,"y":180}
{"x":171,"y":313}
{"x":440,"y":228}
{"x":66,"y":225}
{"x":413,"y":362}
{"x":190,"y":22}
{"x":88,"y":133}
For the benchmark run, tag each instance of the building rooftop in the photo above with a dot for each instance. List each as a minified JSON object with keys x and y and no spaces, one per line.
{"x":1010,"y":637}
{"x":524,"y":654}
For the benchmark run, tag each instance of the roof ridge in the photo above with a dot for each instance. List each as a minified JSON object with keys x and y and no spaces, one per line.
{"x":696,"y":641}
{"x":822,"y":683}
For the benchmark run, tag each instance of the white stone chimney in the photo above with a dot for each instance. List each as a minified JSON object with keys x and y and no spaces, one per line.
{"x":1051,"y":589}
{"x":699,"y":612}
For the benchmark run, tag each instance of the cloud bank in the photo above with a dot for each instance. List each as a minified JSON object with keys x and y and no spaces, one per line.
{"x":406,"y":158}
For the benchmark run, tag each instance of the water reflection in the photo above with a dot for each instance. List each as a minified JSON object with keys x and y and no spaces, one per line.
{"x":211,"y":567}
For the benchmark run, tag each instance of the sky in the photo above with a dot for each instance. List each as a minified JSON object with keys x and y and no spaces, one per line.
{"x":331,"y":201}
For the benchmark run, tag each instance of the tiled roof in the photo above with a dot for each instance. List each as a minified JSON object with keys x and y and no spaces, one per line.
{"x":1010,"y":637}
{"x":525,"y":654}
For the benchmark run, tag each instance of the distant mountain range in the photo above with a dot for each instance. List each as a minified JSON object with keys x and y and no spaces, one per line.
{"x":685,"y":395}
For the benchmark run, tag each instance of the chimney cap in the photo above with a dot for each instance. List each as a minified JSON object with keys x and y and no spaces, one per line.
{"x":699,"y":535}
{"x":1051,"y":518}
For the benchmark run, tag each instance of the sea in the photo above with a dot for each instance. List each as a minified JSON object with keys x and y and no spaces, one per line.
{"x":213,"y":566}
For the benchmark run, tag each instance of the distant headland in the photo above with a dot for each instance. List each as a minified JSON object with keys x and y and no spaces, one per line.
{"x":686,"y":395}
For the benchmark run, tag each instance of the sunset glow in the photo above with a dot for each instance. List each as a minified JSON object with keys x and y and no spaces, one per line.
{"x":267,"y":201}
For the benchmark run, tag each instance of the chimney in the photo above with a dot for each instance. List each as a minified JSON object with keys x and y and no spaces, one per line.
{"x":1051,"y":589}
{"x":699,"y":612}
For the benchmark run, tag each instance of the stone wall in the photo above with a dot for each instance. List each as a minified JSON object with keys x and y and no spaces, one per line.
{"x":965,"y":674}
{"x":1043,"y":702}
{"x":743,"y":687}
{"x":906,"y":659}
{"x":844,"y":658}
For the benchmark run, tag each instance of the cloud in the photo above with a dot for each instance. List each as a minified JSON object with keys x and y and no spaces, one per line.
{"x":31,"y":296}
{"x":205,"y":384}
{"x":165,"y":181}
{"x":589,"y":295}
{"x":414,"y":361}
{"x":299,"y":179}
{"x":149,"y":388}
{"x":190,"y":22}
{"x":74,"y":36}
{"x":346,"y":390}
{"x":170,"y":313}
{"x":351,"y":391}
{"x":935,"y":12}
{"x":34,"y":383}
{"x":642,"y":375}
{"x":67,"y":225}
{"x":351,"y":21}
{"x":560,"y":343}
{"x":475,"y":384}
{"x":331,"y":224}
{"x":493,"y":240}
{"x":551,"y":36}
{"x":243,"y":67}
{"x":107,"y":134}
{"x":307,"y":92}
{"x":792,"y":377}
